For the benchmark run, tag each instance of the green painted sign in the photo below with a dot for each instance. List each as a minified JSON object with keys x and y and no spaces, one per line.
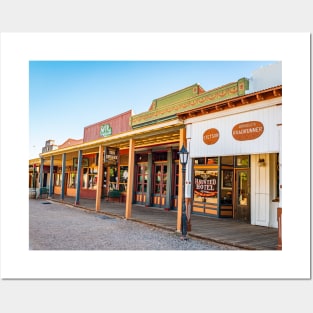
{"x":105,"y":130}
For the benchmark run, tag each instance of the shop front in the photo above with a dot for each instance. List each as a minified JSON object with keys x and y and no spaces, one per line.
{"x":221,"y":187}
{"x":156,"y":178}
{"x":235,"y":154}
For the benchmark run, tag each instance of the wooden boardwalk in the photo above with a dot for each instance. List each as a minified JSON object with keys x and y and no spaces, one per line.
{"x":224,"y":231}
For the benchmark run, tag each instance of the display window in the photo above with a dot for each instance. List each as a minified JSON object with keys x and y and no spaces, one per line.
{"x":113,"y":178}
{"x":72,"y":180}
{"x":58,"y":179}
{"x":242,"y":161}
{"x":227,"y":160}
{"x":206,"y":161}
{"x":90,"y":176}
{"x":123,"y":178}
{"x":206,"y":185}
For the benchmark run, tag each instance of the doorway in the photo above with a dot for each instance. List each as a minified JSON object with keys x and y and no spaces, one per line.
{"x":159,"y":186}
{"x":141,"y":183}
{"x":242,"y":195}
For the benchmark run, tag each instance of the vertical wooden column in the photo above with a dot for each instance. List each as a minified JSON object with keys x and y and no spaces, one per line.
{"x":78,"y":175}
{"x":182,"y":140}
{"x":51,"y":176}
{"x":100,"y":179}
{"x":279,"y":219}
{"x":63,"y":175}
{"x":42,"y":160}
{"x":149,"y":184}
{"x":131,"y":168}
{"x":169,"y":181}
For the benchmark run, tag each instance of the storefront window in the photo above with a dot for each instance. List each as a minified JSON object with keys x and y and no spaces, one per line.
{"x":242,"y":161}
{"x":141,"y":158}
{"x":113,"y":178}
{"x":123,"y":178}
{"x":90,"y":176}
{"x":205,"y":185}
{"x":58,"y":179}
{"x":72,"y":180}
{"x":206,"y":161}
{"x":160,"y":156}
{"x":227,"y":160}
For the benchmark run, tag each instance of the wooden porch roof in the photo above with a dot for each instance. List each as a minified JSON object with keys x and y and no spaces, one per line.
{"x":160,"y":134}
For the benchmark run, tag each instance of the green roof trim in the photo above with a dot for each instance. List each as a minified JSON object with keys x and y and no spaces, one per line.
{"x":183,"y":94}
{"x":167,"y":107}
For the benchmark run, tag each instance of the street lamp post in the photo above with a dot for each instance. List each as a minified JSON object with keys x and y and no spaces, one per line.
{"x":183,"y":158}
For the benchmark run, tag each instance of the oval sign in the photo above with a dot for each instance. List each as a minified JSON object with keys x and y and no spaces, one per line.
{"x":211,"y":136}
{"x":248,"y":130}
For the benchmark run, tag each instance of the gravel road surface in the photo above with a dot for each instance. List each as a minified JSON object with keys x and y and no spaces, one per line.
{"x":55,"y":226}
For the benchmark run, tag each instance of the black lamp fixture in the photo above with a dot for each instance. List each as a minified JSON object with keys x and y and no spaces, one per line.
{"x":183,"y":155}
{"x":183,"y":158}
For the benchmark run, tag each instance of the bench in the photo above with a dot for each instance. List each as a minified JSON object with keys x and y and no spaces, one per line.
{"x":43,"y":191}
{"x":114,"y":194}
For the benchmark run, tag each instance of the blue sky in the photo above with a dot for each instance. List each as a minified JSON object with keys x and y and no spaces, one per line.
{"x":66,"y":96}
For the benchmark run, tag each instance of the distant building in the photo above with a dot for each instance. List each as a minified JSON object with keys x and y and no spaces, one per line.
{"x":49,"y":146}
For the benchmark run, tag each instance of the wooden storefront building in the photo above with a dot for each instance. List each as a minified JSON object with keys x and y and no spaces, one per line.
{"x":137,"y":155}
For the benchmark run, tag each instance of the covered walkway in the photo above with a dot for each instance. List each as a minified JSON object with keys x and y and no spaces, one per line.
{"x":224,"y":231}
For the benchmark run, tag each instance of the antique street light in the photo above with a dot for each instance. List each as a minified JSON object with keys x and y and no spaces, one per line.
{"x":183,"y":158}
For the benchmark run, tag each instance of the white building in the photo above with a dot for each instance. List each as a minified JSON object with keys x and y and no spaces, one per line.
{"x":235,"y":152}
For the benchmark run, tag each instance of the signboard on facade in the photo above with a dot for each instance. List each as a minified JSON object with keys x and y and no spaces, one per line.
{"x":85,"y":162}
{"x":211,"y":136}
{"x":110,"y":155}
{"x":248,"y":130}
{"x":105,"y":130}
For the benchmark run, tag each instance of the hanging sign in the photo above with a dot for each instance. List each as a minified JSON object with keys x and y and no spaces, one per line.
{"x":211,"y":136}
{"x":248,"y":130}
{"x":110,"y":155}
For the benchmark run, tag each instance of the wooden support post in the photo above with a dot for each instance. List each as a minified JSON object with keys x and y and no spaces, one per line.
{"x":78,"y":173}
{"x":42,"y":160}
{"x":130,"y":183}
{"x":51,"y":187}
{"x":279,"y":219}
{"x":100,"y":179}
{"x":63,"y":176}
{"x":182,"y":140}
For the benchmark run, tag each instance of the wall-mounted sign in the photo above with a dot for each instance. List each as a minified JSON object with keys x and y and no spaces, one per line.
{"x":105,"y":130}
{"x":85,"y":162}
{"x":248,"y":130}
{"x":110,"y":155}
{"x":211,"y":136}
